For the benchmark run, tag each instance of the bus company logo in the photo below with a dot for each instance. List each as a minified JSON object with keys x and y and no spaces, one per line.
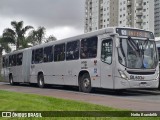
{"x":6,"y":114}
{"x":132,"y":77}
{"x":84,"y":63}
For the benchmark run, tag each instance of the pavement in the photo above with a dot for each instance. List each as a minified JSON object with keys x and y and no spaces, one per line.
{"x":140,"y":100}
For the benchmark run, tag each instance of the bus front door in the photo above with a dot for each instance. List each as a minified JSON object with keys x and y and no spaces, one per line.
{"x":106,"y":63}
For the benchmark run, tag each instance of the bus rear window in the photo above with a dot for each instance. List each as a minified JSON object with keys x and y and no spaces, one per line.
{"x":89,"y":48}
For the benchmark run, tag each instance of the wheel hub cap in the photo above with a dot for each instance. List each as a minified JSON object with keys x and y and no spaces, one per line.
{"x":40,"y":82}
{"x":86,"y":83}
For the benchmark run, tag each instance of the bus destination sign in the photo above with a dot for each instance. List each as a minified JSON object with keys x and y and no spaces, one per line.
{"x":134,"y":33}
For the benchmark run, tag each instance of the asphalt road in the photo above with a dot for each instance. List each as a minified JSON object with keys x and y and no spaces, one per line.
{"x":136,"y":100}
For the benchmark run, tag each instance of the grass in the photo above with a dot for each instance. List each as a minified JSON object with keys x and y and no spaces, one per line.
{"x":27,"y":102}
{"x":11,"y":101}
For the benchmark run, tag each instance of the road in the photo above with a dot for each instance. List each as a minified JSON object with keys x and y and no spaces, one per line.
{"x":136,"y":100}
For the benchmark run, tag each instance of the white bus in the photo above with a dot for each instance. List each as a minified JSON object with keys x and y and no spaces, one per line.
{"x":112,"y":58}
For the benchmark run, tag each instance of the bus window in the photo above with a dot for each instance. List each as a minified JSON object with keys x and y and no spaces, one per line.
{"x":13,"y":61}
{"x":10,"y":60}
{"x":38,"y":56}
{"x":3,"y":62}
{"x":59,"y":52}
{"x":33,"y":54}
{"x":106,"y":54}
{"x":48,"y":54}
{"x":89,"y":48}
{"x":19,"y":59}
{"x":159,"y":52}
{"x":72,"y":52}
{"x":6,"y":61}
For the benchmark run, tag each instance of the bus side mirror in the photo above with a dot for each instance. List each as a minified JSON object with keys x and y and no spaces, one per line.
{"x":117,"y":43}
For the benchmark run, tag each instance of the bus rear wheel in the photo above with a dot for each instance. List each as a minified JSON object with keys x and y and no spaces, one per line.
{"x":11,"y":80}
{"x":41,"y":81}
{"x":85,"y":83}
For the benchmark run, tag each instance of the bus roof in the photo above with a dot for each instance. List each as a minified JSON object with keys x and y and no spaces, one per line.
{"x":111,"y":30}
{"x":17,"y":51}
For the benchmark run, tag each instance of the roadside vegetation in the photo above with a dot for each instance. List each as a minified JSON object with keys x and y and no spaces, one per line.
{"x":11,"y":101}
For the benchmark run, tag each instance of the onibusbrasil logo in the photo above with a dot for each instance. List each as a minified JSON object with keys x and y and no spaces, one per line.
{"x":20,"y":114}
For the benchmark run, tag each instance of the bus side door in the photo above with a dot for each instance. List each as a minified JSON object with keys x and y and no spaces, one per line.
{"x":106,"y":63}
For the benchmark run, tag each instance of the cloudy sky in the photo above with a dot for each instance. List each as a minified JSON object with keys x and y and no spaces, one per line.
{"x":61,"y":18}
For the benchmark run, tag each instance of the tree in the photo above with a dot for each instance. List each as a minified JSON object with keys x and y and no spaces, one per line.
{"x":25,"y":43}
{"x":50,"y":39}
{"x":4,"y":46}
{"x":17,"y":34}
{"x":37,"y":36}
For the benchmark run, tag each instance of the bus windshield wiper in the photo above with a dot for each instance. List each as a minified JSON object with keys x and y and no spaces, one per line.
{"x":143,"y":49}
{"x":134,"y":46}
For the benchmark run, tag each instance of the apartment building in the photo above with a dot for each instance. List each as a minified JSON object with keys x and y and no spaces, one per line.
{"x":157,"y":18}
{"x":123,"y":13}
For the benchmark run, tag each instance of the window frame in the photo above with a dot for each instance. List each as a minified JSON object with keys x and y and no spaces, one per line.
{"x":105,"y":39}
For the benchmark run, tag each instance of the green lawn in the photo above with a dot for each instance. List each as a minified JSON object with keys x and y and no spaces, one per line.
{"x":11,"y":101}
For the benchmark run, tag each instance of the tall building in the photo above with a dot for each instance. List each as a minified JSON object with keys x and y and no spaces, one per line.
{"x":123,"y":13}
{"x":157,"y":18}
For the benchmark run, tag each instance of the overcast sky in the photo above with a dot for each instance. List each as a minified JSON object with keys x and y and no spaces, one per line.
{"x":62,"y":18}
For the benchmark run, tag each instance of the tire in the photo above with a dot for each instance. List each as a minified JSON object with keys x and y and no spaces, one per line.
{"x":41,"y":83}
{"x":11,"y":80}
{"x":85,"y":83}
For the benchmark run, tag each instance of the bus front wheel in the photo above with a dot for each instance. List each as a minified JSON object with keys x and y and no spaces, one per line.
{"x":85,"y":83}
{"x":41,"y":81}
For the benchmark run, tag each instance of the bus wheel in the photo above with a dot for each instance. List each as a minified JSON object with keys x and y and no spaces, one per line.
{"x":41,"y":81}
{"x":11,"y":80}
{"x":85,"y":83}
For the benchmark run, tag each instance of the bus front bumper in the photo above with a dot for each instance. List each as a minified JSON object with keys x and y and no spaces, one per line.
{"x":126,"y":84}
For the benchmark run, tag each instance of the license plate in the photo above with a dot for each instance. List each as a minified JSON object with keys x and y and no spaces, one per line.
{"x":143,"y":84}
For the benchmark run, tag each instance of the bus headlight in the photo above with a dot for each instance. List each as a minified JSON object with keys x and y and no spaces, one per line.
{"x":123,"y":75}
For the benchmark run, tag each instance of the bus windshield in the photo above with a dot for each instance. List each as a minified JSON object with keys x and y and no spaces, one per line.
{"x":137,"y":54}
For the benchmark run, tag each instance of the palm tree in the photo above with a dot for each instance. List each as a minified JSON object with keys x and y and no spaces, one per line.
{"x":17,"y":34}
{"x":4,"y":46}
{"x":50,"y":39}
{"x":25,"y":43}
{"x":37,"y":36}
